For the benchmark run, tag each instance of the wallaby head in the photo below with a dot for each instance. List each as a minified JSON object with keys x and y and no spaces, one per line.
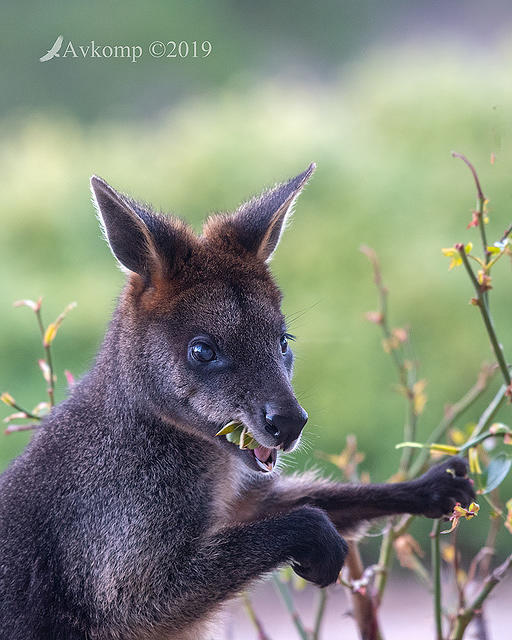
{"x":201,"y":339}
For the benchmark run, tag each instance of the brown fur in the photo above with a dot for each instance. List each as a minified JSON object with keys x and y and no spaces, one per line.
{"x":126,"y":518}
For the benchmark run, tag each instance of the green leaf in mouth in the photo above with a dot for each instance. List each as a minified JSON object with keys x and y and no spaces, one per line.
{"x":238,"y":434}
{"x":230,"y":427}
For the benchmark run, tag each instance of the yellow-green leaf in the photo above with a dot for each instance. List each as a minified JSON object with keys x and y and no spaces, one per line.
{"x":7,"y":399}
{"x":474,"y":462}
{"x":229,"y":428}
{"x":49,"y":334}
{"x":444,"y":448}
{"x":414,"y":445}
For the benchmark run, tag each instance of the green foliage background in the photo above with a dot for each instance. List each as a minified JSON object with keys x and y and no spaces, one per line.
{"x":380,"y":127}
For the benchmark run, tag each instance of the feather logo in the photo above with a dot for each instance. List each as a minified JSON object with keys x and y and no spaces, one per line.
{"x":53,"y":51}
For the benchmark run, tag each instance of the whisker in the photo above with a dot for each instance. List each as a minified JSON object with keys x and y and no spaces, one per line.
{"x":292,"y":317}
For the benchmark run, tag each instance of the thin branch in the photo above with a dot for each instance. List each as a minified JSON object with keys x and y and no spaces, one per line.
{"x":481,"y":203}
{"x":456,"y":568}
{"x":473,"y":442}
{"x":407,"y":380}
{"x":403,"y":525}
{"x":28,"y":414}
{"x":320,"y":611}
{"x":262,"y":635}
{"x":385,"y":560}
{"x":490,"y":543}
{"x":383,"y":309}
{"x":506,"y":234}
{"x":436,"y":578}
{"x":14,"y":428}
{"x":456,"y":154}
{"x":48,"y":354}
{"x":286,"y":597}
{"x":479,"y":557}
{"x":409,"y":434}
{"x":490,"y":411}
{"x":465,"y":616}
{"x":481,"y":563}
{"x":498,"y":351}
{"x":364,"y":607}
{"x":406,"y":375}
{"x":452,"y":413}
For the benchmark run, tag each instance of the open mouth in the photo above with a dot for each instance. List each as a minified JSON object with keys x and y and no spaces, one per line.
{"x":265,"y":457}
{"x":238,"y":434}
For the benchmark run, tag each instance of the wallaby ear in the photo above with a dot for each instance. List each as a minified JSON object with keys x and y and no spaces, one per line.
{"x":125,"y":231}
{"x":156,"y":247}
{"x":259,"y":223}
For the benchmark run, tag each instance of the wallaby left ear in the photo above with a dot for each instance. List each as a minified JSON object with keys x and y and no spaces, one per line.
{"x":259,"y":223}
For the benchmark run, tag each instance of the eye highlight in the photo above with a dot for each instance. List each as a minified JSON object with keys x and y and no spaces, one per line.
{"x":202,"y":352}
{"x":284,"y":342}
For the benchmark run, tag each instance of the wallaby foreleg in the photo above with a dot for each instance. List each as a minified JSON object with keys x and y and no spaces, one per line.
{"x":434,"y":494}
{"x":226,"y":562}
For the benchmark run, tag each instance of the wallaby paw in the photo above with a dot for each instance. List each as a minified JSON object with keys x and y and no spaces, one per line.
{"x":319,"y":555}
{"x":445,"y":485}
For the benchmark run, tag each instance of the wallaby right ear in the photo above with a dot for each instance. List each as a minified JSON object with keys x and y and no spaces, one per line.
{"x":125,"y":230}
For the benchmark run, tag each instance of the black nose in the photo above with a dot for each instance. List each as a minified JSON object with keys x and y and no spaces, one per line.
{"x":285,"y":426}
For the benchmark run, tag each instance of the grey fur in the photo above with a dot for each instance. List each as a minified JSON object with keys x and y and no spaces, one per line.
{"x":125,"y":517}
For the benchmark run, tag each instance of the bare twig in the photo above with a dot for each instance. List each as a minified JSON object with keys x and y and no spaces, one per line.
{"x":319,"y":616}
{"x":383,"y":309}
{"x":262,"y":635}
{"x":406,"y":374}
{"x":490,"y":411}
{"x":364,"y":608}
{"x":403,"y":525}
{"x":385,"y":560}
{"x":482,"y":305}
{"x":481,"y":563}
{"x":506,"y":234}
{"x":436,"y":578}
{"x":407,"y":378}
{"x":480,"y":193}
{"x":28,"y":414}
{"x":464,"y":617}
{"x":456,"y":569}
{"x":481,"y":200}
{"x":484,"y":552}
{"x":48,"y":356}
{"x":286,"y":597}
{"x":14,"y":428}
{"x":490,"y":543}
{"x":451,"y":415}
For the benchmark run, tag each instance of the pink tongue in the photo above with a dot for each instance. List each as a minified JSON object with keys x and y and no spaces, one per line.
{"x":262,"y":453}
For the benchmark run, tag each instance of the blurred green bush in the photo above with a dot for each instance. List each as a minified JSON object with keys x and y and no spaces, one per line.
{"x":381,"y":137}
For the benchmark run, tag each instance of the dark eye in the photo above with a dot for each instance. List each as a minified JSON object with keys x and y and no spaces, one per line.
{"x":202,"y":352}
{"x":284,"y":343}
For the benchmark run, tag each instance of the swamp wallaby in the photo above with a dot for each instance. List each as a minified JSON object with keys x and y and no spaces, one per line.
{"x":126,"y":517}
